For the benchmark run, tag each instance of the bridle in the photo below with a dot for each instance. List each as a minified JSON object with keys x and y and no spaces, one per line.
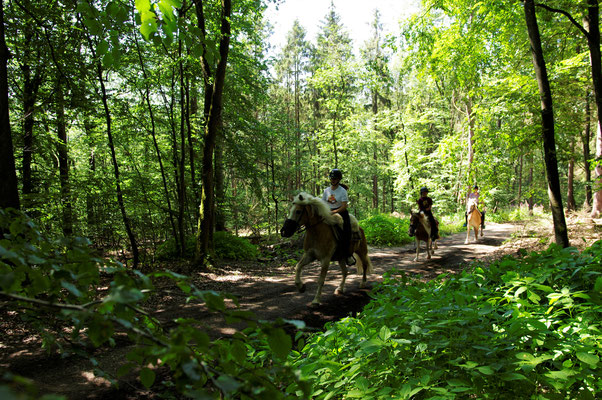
{"x":303,"y":228}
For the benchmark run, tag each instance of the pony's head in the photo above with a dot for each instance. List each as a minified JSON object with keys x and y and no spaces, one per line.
{"x":471,"y":204}
{"x":417,"y":219}
{"x":305,"y":207}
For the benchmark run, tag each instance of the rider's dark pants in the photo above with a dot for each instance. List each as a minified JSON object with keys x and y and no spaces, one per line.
{"x":346,"y":236}
{"x":434,"y":227}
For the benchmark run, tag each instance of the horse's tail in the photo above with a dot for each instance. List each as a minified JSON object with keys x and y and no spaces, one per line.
{"x":362,"y":251}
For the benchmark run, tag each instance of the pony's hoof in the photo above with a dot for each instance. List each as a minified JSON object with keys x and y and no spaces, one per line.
{"x":314,"y":304}
{"x":339,"y":291}
{"x":301,"y":288}
{"x":415,"y":258}
{"x":428,"y":257}
{"x":466,"y":242}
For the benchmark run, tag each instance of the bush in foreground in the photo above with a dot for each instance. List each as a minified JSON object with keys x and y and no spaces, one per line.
{"x":520,"y":328}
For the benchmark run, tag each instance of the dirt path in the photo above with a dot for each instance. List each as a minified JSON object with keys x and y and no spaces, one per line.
{"x":270,"y":293}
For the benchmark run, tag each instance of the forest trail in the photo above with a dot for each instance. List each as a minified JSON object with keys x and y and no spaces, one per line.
{"x":267,"y":291}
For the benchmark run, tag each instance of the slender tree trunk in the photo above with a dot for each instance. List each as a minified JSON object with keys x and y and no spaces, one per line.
{"x":585,"y":139}
{"x":469,"y":171}
{"x":146,"y":96}
{"x":547,"y":117}
{"x":593,"y":41}
{"x":182,"y":160}
{"x":570,"y":197}
{"x":124,"y":216}
{"x":63,"y":162}
{"x":9,"y":193}
{"x":220,"y":190}
{"x":91,"y":218}
{"x":206,"y":211}
{"x":520,"y":179}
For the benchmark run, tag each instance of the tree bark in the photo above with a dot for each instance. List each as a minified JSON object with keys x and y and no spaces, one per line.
{"x":547,"y":123}
{"x":585,"y":139}
{"x":63,"y":157}
{"x":126,"y":220}
{"x":206,"y":211}
{"x":570,"y":196}
{"x":9,"y":193}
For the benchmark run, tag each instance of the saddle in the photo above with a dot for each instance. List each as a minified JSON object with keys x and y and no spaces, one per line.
{"x":337,"y":230}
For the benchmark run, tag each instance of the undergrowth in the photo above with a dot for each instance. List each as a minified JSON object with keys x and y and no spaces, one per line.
{"x":519,"y":328}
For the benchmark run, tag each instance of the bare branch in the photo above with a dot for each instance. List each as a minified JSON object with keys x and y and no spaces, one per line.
{"x":566,"y":14}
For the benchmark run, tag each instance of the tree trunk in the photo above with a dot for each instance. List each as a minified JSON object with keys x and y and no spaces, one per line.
{"x":9,"y":193}
{"x":570,"y":197}
{"x":124,"y":216}
{"x":63,"y":161}
{"x":593,"y":42}
{"x":587,"y":130}
{"x":206,"y":211}
{"x":146,"y":96}
{"x":220,"y":190}
{"x":182,"y":160}
{"x":547,"y":123}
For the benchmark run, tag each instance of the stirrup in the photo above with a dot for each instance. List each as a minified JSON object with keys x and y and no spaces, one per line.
{"x":351,"y":260}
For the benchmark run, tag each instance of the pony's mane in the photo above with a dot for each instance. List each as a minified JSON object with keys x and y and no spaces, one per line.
{"x":319,"y":206}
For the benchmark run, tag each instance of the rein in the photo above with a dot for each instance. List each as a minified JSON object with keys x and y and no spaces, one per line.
{"x":303,"y":228}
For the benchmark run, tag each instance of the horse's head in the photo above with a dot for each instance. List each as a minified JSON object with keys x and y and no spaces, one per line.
{"x":297,"y":217}
{"x":471,"y":205}
{"x":417,"y":219}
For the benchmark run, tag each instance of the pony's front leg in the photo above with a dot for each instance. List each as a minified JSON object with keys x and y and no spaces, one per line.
{"x":417,"y":249}
{"x":341,"y":288}
{"x":306,"y":259}
{"x":321,"y":278}
{"x":476,"y":233}
{"x":429,"y":244}
{"x":467,"y":234}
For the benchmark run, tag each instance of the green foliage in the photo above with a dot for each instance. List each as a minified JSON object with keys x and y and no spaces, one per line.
{"x":49,"y":275}
{"x":386,"y":230}
{"x":233,"y":247}
{"x":226,"y":246}
{"x":520,"y":328}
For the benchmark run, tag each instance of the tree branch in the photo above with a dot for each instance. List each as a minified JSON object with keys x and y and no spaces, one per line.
{"x":566,"y":14}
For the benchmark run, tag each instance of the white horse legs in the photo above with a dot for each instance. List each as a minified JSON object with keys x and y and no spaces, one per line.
{"x":306,"y":259}
{"x":476,"y":234}
{"x":429,"y":246}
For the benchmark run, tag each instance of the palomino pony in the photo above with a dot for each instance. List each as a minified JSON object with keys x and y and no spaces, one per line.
{"x":473,"y":220}
{"x":421,"y":227}
{"x":320,"y":242}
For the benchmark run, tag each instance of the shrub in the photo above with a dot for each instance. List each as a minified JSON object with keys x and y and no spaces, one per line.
{"x":233,"y":247}
{"x":226,"y":246}
{"x":386,"y":230}
{"x":521,"y":328}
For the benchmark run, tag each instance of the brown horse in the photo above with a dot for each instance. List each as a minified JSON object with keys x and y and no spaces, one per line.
{"x":473,"y":220}
{"x":421,"y":228}
{"x":320,"y":241}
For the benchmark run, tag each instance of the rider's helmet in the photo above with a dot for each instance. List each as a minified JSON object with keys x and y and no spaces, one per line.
{"x":424,"y":189}
{"x":475,"y":187}
{"x":335,"y":174}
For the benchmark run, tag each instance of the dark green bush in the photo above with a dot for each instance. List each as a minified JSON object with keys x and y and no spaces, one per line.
{"x":226,"y":246}
{"x":233,"y":247}
{"x":386,"y":230}
{"x":520,"y":328}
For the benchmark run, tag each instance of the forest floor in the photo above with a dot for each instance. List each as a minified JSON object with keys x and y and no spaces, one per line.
{"x":267,"y":288}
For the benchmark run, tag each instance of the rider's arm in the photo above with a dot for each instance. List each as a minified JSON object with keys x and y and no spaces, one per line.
{"x":343,"y":207}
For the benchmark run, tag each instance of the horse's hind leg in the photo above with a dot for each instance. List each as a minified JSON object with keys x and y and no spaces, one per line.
{"x":341,"y":288}
{"x":417,"y":249}
{"x":321,"y":278}
{"x":306,"y":259}
{"x":428,"y":248}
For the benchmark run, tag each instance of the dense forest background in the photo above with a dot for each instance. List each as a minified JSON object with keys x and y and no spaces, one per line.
{"x":136,"y":122}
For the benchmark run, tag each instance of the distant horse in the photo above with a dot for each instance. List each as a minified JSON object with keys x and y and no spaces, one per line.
{"x":320,"y":241}
{"x":421,"y":228}
{"x":473,"y":220}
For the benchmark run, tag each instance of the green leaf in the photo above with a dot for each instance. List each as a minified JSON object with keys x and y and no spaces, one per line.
{"x":486,"y":370}
{"x":147,"y":377}
{"x":384,"y":333}
{"x":102,"y":48}
{"x":280,"y":343}
{"x":588,"y":358}
{"x":71,"y":288}
{"x":227,"y":383}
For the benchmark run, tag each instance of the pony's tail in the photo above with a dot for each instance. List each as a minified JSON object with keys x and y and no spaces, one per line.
{"x":360,"y":265}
